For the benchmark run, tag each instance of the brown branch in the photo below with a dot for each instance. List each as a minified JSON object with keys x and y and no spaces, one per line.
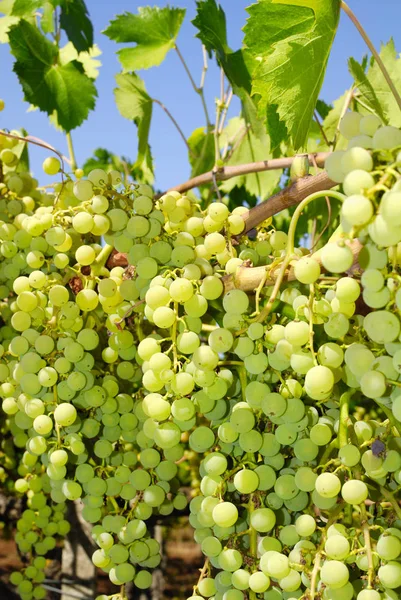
{"x":255,"y":167}
{"x":287,"y":197}
{"x":248,"y":278}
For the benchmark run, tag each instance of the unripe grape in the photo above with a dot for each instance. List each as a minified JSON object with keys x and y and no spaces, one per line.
{"x":354,"y":491}
{"x":350,"y":124}
{"x":51,"y":165}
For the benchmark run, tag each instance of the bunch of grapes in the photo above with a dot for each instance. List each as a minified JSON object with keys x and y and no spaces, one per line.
{"x":140,"y":332}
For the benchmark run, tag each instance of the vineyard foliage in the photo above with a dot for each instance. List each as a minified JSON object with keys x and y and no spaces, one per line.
{"x":228,"y":349}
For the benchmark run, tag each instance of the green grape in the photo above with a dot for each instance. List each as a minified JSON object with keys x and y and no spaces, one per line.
{"x":354,"y":491}
{"x":215,"y":463}
{"x":220,"y":340}
{"x":307,"y":270}
{"x":267,"y":477}
{"x":337,"y":547}
{"x":51,"y":165}
{"x":321,"y":434}
{"x":333,"y":166}
{"x":381,"y":326}
{"x":388,"y":547}
{"x":327,"y":485}
{"x":357,"y":181}
{"x":305,"y":525}
{"x":246,"y":481}
{"x":334,"y":573}
{"x":350,"y":124}
{"x":225,"y":514}
{"x":336,"y":257}
{"x":386,"y":137}
{"x":319,"y":382}
{"x":65,"y":414}
{"x":235,"y":301}
{"x":390,"y":575}
{"x":230,"y":560}
{"x":349,"y":455}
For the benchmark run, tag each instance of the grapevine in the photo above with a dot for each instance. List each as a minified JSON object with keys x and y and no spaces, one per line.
{"x":182,"y":353}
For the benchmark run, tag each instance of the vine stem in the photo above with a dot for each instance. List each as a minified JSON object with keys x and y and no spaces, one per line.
{"x":389,"y":414}
{"x":99,"y":264}
{"x":30,"y":139}
{"x":175,"y":123}
{"x":315,"y":571}
{"x":310,"y":319}
{"x":373,"y":50}
{"x":198,"y":90}
{"x":368,"y":544}
{"x":216,"y":136}
{"x":387,"y":494}
{"x":290,"y":247}
{"x":344,"y":418}
{"x":248,"y":278}
{"x":202,"y":573}
{"x":253,"y":540}
{"x":247,"y":168}
{"x":318,"y":555}
{"x":71,"y":152}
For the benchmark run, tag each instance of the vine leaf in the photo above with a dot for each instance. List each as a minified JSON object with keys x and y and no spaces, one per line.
{"x":246,"y":147}
{"x":47,"y":84}
{"x":47,"y":19}
{"x":24,"y":8}
{"x":6,"y":20}
{"x":365,"y":87}
{"x":135,"y":104}
{"x":202,"y":144}
{"x":210,"y":21}
{"x":153,"y":29}
{"x":323,"y":108}
{"x":389,"y":105}
{"x":292,"y":40}
{"x":75,"y":21}
{"x":88,"y":60}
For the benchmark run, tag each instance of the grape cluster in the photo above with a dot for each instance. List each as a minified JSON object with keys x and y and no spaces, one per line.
{"x":133,"y":365}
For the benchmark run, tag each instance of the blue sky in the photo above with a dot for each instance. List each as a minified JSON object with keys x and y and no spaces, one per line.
{"x":169,"y":83}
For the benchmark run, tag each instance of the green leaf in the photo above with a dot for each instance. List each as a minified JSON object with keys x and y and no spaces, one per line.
{"x":323,"y":108}
{"x":202,"y":145}
{"x":21,"y":151}
{"x":330,"y":123}
{"x":106,"y":160}
{"x":47,"y":84}
{"x":75,"y":21}
{"x":239,"y":196}
{"x":135,"y":104}
{"x":47,"y":20}
{"x":276,"y":130}
{"x":365,"y":87}
{"x":153,"y":29}
{"x":6,"y":6}
{"x":211,"y":21}
{"x":292,"y":40}
{"x":87,"y":59}
{"x":24,"y":8}
{"x":246,"y":149}
{"x":385,"y":97}
{"x":5,"y":24}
